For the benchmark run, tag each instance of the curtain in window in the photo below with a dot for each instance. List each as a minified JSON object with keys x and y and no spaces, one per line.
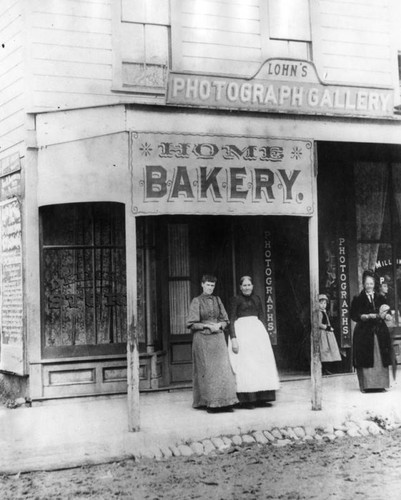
{"x":84,"y":275}
{"x":179,"y":283}
{"x":370,"y":195}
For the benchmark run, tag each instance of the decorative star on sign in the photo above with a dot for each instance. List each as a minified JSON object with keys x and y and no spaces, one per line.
{"x":146,"y":149}
{"x":296,"y":153}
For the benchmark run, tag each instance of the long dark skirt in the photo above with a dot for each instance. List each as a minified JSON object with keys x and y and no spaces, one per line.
{"x":256,"y":397}
{"x":213,"y":378}
{"x":377,"y":377}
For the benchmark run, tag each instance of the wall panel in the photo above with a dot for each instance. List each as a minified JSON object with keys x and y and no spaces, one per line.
{"x":351,"y":42}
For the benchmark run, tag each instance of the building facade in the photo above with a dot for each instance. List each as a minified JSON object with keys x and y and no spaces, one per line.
{"x":147,"y":142}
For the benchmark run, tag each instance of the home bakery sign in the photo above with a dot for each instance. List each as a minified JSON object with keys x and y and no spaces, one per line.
{"x":280,"y":85}
{"x":213,"y":174}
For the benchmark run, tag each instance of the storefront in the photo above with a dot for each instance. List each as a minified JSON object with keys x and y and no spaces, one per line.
{"x":130,"y":217}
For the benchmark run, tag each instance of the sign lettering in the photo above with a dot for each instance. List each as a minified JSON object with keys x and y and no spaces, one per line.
{"x":11,"y":288}
{"x":343,"y":292}
{"x":279,"y":85}
{"x":204,"y":174}
{"x":270,"y":297}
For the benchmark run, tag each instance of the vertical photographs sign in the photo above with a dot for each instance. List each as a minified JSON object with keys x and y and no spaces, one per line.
{"x":270,"y":286}
{"x":343,"y":293}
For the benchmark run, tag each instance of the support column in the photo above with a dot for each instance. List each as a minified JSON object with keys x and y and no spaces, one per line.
{"x":132,"y":333}
{"x":316,"y":365}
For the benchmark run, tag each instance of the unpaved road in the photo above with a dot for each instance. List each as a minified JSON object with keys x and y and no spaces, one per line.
{"x":350,"y":468}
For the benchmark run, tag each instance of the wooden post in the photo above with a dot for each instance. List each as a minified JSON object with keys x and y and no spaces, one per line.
{"x":132,"y":334}
{"x":316,"y":365}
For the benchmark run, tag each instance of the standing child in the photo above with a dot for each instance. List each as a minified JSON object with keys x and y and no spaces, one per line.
{"x":329,"y":351}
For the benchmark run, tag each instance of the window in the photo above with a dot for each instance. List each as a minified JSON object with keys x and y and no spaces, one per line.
{"x":289,"y":20}
{"x":83,"y":279}
{"x":141,"y":45}
{"x":288,"y":29}
{"x":378,"y":221}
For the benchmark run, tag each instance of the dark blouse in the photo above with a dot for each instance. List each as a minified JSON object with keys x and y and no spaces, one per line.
{"x":324,"y":320}
{"x":206,"y":309}
{"x":245,"y":305}
{"x":365,"y":331}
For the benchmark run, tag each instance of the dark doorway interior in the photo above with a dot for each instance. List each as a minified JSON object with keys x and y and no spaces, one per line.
{"x":229,"y":247}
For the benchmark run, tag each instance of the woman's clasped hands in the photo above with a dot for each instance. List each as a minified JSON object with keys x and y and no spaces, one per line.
{"x":365,"y":317}
{"x":214,"y":327}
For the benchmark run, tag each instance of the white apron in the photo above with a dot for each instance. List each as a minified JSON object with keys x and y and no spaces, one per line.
{"x":254,"y":365}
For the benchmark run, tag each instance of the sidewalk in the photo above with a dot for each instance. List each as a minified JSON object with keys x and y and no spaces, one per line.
{"x":66,"y":434}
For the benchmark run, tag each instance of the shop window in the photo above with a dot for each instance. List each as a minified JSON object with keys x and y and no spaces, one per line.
{"x":141,"y":45}
{"x":378,"y":223}
{"x":83,"y":279}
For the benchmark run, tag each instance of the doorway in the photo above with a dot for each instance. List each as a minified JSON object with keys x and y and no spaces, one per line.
{"x":181,"y":249}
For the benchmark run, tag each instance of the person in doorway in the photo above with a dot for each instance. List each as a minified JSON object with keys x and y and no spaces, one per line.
{"x":372,"y":349}
{"x":329,"y":351}
{"x":213,"y":378}
{"x":250,"y":350}
{"x":383,"y":290}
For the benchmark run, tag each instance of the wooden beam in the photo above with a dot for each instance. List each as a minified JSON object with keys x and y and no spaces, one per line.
{"x":132,"y":334}
{"x":316,"y":365}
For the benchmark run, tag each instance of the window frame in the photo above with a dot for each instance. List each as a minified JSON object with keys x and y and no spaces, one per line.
{"x":82,"y":350}
{"x":118,"y":84}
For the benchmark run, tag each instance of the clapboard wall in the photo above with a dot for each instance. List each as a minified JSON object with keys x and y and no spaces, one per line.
{"x":352,"y":41}
{"x":71,"y":53}
{"x":12,"y":86}
{"x":82,"y":53}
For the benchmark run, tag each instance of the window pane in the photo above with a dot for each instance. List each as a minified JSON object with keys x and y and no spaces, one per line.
{"x":133,"y":10}
{"x":111,"y":303}
{"x":133,"y":42}
{"x":109,"y":224}
{"x":66,"y":225}
{"x":371,"y":185}
{"x":289,"y":20}
{"x":68,"y":297}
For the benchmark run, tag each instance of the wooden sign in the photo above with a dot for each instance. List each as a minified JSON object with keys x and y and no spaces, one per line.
{"x":11,"y":288}
{"x":213,"y":174}
{"x":270,"y":296}
{"x":280,"y":85}
{"x":343,"y":293}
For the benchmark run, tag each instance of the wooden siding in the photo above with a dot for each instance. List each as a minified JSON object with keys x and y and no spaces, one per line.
{"x":352,"y":42}
{"x":71,"y":53}
{"x":11,"y":77}
{"x":217,"y":36}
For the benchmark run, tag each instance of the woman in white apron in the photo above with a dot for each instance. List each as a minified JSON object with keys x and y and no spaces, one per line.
{"x":250,"y":350}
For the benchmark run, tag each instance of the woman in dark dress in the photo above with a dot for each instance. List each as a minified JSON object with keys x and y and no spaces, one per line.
{"x":250,"y":350}
{"x":213,"y":378}
{"x":372,"y":342}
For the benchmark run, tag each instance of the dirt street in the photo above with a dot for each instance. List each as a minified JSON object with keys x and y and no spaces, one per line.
{"x":348,"y":468}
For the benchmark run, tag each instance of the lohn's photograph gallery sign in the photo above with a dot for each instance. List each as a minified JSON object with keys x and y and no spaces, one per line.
{"x":280,"y":85}
{"x":210,"y":174}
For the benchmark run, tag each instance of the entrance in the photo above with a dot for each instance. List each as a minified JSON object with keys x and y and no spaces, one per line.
{"x":175,"y":251}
